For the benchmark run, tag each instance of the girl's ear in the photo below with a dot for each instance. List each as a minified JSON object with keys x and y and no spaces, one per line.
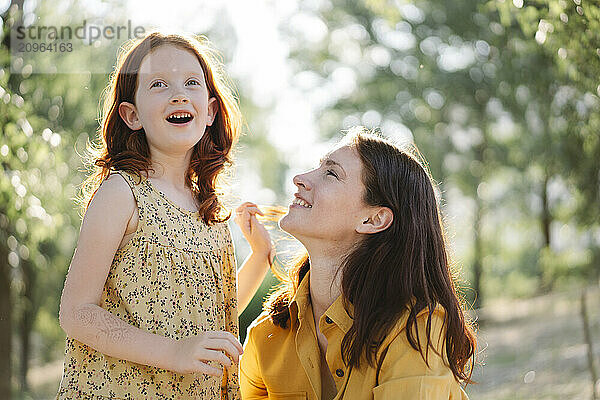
{"x":129,"y":115}
{"x":213,"y":108}
{"x":378,"y":221}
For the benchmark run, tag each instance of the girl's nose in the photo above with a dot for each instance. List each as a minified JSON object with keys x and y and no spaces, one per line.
{"x":179,"y":98}
{"x":301,"y":180}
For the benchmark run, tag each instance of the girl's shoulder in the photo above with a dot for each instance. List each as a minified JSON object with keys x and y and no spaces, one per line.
{"x":133,"y":185}
{"x":111,"y":205}
{"x":114,"y":189}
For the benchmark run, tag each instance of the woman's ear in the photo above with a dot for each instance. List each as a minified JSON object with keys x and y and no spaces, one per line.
{"x":129,"y":115}
{"x":378,"y":221}
{"x":213,"y":108}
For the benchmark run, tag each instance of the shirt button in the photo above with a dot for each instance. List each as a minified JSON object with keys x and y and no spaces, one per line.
{"x":328,"y":320}
{"x":339,"y":372}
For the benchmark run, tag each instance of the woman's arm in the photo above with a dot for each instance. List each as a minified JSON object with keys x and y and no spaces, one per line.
{"x":82,"y":318}
{"x":256,"y":265}
{"x":251,"y":383}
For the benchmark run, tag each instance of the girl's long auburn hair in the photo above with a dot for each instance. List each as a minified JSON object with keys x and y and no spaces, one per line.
{"x":404,"y":268}
{"x":121,"y":148}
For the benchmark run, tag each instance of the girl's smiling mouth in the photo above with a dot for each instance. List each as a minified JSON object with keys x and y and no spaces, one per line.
{"x":180,"y":117}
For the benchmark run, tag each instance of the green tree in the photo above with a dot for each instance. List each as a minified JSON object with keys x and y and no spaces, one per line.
{"x":567,"y":32}
{"x":479,"y":95}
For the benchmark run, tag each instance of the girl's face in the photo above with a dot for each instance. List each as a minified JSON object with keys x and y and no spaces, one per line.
{"x":329,"y":202}
{"x":172,"y":102}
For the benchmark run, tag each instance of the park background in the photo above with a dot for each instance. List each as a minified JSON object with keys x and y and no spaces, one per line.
{"x":500,"y":96}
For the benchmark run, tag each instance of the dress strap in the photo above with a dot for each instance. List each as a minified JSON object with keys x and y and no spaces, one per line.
{"x":139,"y":188}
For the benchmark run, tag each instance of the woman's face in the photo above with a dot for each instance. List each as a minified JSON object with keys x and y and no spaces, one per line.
{"x":329,"y":202}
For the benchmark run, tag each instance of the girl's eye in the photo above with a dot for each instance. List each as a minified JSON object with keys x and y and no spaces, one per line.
{"x":332,"y":173}
{"x":158,"y":84}
{"x":193,"y":82}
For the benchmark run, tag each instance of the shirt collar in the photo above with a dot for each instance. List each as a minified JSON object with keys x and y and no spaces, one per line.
{"x":300,"y":301}
{"x":336,"y":312}
{"x":339,"y":315}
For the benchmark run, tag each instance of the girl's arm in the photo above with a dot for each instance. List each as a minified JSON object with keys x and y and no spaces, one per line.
{"x":256,"y":265}
{"x":81,"y":317}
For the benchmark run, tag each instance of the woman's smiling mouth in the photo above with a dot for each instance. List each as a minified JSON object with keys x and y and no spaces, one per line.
{"x":300,"y":202}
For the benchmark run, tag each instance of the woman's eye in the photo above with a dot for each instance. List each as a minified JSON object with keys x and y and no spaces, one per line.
{"x":331,"y":172}
{"x":158,"y":84}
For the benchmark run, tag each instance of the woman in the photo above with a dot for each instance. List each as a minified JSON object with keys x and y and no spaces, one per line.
{"x":371,"y":311}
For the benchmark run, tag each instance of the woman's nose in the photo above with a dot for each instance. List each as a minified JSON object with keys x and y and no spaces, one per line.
{"x":301,"y":180}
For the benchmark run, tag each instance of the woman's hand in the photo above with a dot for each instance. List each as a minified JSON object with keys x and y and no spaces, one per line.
{"x":255,"y":233}
{"x":192,"y":354}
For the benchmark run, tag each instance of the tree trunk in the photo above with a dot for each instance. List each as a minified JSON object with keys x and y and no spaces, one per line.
{"x":546,"y":217}
{"x":5,"y":324}
{"x":27,"y":319}
{"x":546,"y":277}
{"x":590,"y":345}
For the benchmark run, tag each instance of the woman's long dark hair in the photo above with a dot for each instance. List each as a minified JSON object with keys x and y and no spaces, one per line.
{"x":121,"y":148}
{"x":404,"y":268}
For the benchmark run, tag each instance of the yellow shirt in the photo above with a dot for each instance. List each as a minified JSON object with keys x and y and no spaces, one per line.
{"x":284,"y":363}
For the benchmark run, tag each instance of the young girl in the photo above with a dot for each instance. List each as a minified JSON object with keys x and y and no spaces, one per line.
{"x":149,"y":304}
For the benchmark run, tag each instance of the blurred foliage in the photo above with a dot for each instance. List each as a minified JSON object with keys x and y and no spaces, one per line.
{"x":505,"y":118}
{"x":259,"y":155}
{"x":46,"y":121}
{"x":568,"y":32}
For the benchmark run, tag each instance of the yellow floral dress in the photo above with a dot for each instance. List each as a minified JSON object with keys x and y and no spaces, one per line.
{"x":175,"y":277}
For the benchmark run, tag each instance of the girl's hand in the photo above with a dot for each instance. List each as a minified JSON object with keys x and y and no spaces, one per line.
{"x":191,"y":354}
{"x":255,"y":233}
